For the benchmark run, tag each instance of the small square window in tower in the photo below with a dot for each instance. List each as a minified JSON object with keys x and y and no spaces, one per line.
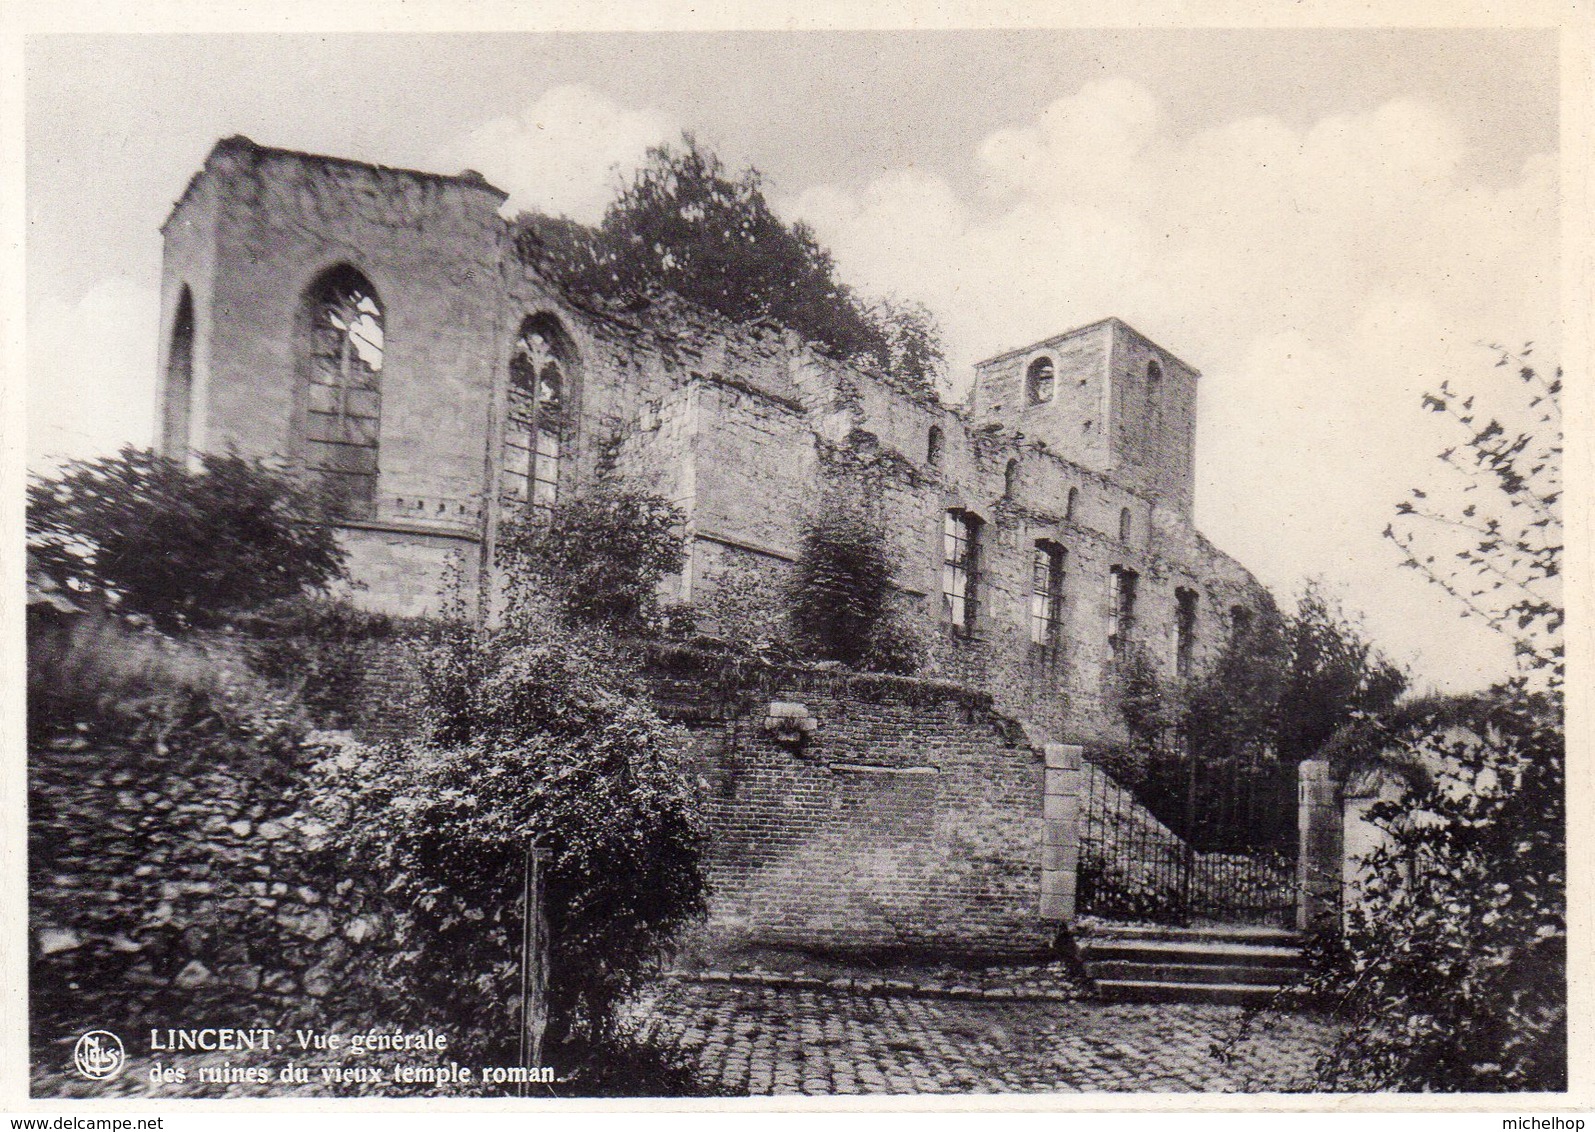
{"x":1046,"y":595}
{"x":1040,"y":379}
{"x":960,"y":570}
{"x":534,"y":425}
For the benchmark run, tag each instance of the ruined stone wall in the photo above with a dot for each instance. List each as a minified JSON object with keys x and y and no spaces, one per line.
{"x":910,"y":820}
{"x":745,"y":427}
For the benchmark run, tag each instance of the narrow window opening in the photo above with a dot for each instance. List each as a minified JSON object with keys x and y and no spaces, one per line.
{"x":179,"y":407}
{"x":960,"y":570}
{"x":1122,"y":581}
{"x":1046,"y":594}
{"x":1068,"y":511}
{"x":1184,"y":630}
{"x":1240,"y":622}
{"x":1010,"y":479}
{"x":933,"y":447}
{"x":1040,"y":380}
{"x":1124,"y":525}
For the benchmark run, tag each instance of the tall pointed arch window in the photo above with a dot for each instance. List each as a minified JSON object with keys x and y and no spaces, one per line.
{"x":535,"y":425}
{"x":343,"y":409}
{"x":177,"y":412}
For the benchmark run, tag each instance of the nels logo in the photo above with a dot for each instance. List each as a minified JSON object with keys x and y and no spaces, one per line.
{"x":99,"y":1055}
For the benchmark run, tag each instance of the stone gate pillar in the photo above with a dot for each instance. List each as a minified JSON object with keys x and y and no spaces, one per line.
{"x":1320,"y":844}
{"x":1060,"y":840}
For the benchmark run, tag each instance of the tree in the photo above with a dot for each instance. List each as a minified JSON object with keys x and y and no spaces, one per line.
{"x":1498,"y":550}
{"x":1234,"y":708}
{"x":1335,"y":676}
{"x":1453,"y":971}
{"x":600,"y":555}
{"x":685,"y":224}
{"x":143,"y":534}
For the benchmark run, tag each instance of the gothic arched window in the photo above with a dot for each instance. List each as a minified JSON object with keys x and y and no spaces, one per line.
{"x":534,"y":429}
{"x":343,"y":405}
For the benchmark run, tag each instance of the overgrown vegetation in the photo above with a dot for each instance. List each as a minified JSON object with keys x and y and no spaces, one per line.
{"x":686,"y":224}
{"x":541,"y":737}
{"x":1282,"y":686}
{"x":537,"y":731}
{"x":841,"y":597}
{"x":141,"y":534}
{"x":600,"y":556}
{"x":1452,"y":975}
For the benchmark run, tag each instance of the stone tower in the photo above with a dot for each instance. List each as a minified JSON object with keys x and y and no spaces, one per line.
{"x":1104,"y":397}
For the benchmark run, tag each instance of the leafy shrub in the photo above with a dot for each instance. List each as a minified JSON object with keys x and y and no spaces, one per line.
{"x":540,"y":735}
{"x":1452,"y":975}
{"x":143,"y":534}
{"x":841,"y":592}
{"x":601,"y":555}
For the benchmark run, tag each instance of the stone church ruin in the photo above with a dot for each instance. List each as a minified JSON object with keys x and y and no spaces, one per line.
{"x":378,"y":329}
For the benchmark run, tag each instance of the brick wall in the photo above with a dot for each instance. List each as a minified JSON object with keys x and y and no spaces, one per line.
{"x":910,"y":820}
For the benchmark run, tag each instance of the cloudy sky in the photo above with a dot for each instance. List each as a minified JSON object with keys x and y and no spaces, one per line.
{"x":1325,"y":222}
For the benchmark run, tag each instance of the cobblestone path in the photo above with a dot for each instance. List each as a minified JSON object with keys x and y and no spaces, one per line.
{"x":761,"y":1039}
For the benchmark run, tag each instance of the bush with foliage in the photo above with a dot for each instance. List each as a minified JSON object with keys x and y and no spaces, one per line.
{"x":1453,"y":971}
{"x":841,"y":595}
{"x":142,"y":534}
{"x":601,"y":555}
{"x":538,"y":734}
{"x":685,"y":224}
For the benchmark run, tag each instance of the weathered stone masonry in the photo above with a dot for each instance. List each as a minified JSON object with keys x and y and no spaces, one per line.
{"x":378,"y":328}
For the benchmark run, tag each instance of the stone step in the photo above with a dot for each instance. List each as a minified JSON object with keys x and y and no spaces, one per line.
{"x":1192,"y":973}
{"x":1229,"y":933}
{"x":1194,"y":952}
{"x":1218,"y":994}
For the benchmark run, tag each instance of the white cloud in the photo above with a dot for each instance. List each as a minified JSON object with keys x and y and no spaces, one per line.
{"x":1321,"y":277}
{"x":561,"y":154}
{"x":91,"y":372}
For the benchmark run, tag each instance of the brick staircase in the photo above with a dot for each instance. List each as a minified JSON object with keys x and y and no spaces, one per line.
{"x":1239,"y":966}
